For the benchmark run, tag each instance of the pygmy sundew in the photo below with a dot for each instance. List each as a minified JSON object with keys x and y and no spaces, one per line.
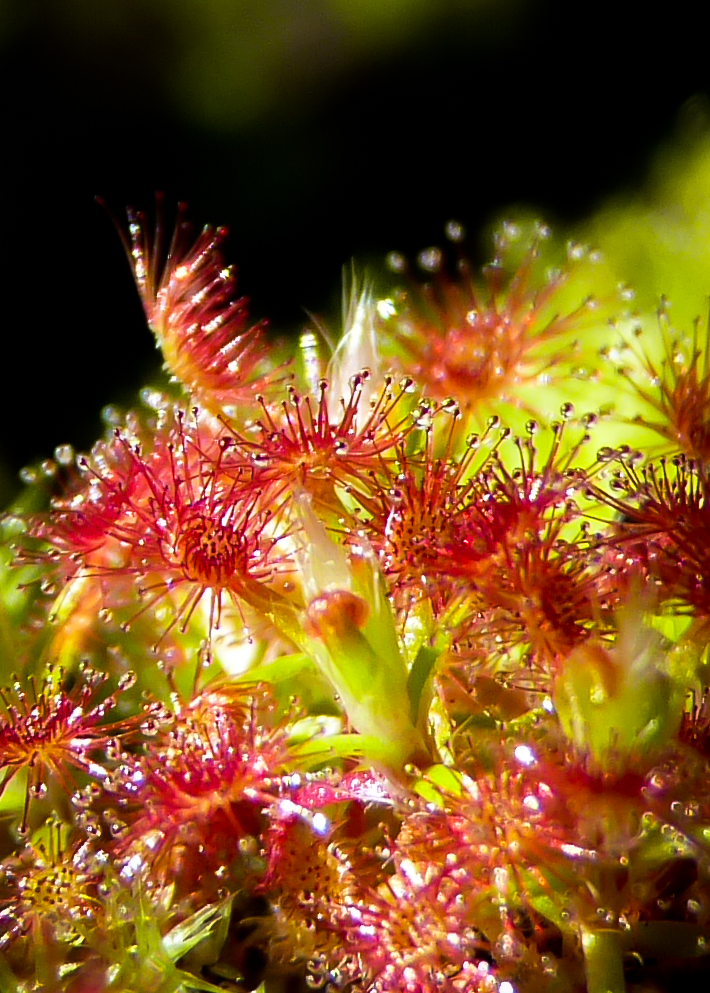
{"x":421,"y":651}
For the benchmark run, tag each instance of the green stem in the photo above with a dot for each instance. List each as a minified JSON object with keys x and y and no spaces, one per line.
{"x":603,"y":963}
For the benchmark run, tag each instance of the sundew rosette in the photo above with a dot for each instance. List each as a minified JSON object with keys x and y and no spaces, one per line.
{"x":492,"y":341}
{"x":422,"y":648}
{"x":165,"y":530}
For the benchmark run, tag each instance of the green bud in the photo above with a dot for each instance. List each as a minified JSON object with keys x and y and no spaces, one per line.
{"x":348,"y":630}
{"x":621,"y":706}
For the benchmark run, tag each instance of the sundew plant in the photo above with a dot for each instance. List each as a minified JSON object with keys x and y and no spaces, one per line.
{"x":373,"y":663}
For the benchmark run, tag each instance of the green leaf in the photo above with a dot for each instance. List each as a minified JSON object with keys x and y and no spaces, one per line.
{"x":419,"y":675}
{"x":280,"y":670}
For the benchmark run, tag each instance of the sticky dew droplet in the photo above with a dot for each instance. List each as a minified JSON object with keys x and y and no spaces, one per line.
{"x":64,"y":454}
{"x":127,"y":680}
{"x":396,"y":262}
{"x":111,"y":416}
{"x":430,"y":259}
{"x":455,"y":231}
{"x":28,"y":475}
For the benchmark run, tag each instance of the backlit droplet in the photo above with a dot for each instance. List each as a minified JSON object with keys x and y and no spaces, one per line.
{"x":28,"y":475}
{"x":396,"y":262}
{"x":430,"y":259}
{"x":127,"y":681}
{"x":455,"y":231}
{"x":525,"y":755}
{"x":64,"y":454}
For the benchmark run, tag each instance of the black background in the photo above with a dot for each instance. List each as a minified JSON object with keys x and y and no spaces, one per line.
{"x":536,"y":102}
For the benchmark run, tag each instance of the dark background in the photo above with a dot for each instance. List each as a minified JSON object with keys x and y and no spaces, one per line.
{"x":317,"y":131}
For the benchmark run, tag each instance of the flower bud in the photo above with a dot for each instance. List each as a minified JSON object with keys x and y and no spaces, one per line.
{"x":620,"y":706}
{"x":349,"y":632}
